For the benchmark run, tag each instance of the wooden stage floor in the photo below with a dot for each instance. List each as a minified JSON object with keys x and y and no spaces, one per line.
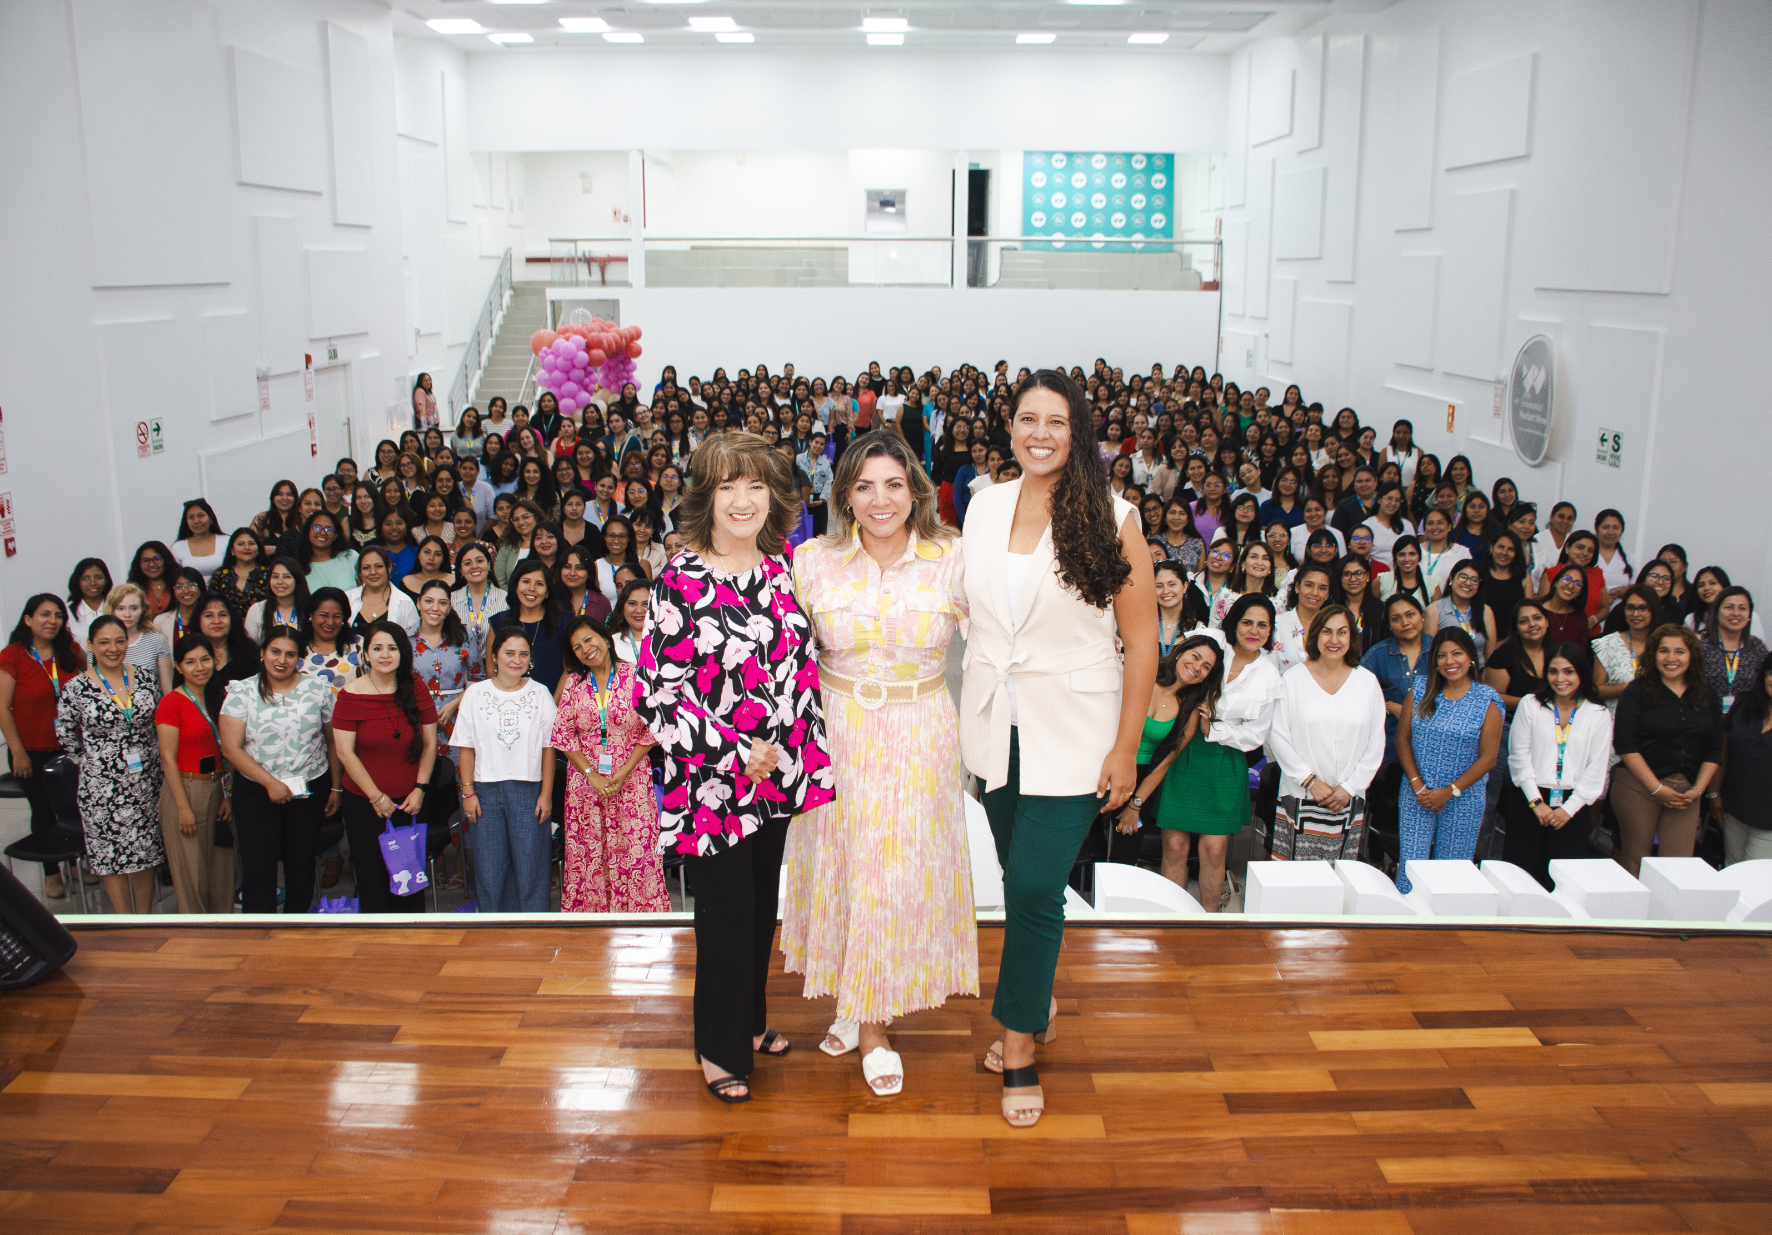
{"x":1205,"y":1081}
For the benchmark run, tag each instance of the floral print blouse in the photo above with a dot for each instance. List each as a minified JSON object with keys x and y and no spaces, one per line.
{"x":893,"y":624}
{"x":447,"y":671}
{"x":725,"y":659}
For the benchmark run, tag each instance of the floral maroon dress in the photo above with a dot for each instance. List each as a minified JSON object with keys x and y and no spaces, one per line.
{"x":725,"y":659}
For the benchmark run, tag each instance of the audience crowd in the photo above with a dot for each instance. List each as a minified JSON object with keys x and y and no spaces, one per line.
{"x":1430,"y":660}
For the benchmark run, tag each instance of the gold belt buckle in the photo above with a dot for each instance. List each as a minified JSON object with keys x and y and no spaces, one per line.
{"x":870,"y":694}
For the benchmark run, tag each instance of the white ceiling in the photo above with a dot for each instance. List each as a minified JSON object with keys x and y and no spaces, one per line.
{"x":1211,"y":26}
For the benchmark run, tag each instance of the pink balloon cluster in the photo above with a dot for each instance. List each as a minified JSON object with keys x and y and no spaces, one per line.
{"x":575,"y":360}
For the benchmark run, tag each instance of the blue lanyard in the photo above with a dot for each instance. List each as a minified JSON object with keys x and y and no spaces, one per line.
{"x":1561,"y":729}
{"x":126,"y":703}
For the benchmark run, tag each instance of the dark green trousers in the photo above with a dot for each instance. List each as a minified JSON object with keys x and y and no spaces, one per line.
{"x":1038,"y":839}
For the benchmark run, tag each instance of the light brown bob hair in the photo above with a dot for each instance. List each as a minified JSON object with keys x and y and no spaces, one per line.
{"x":1313,"y":638}
{"x":925,"y":518}
{"x":731,"y":456}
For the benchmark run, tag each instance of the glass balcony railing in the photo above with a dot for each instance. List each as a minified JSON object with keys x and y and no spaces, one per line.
{"x":800,"y":261}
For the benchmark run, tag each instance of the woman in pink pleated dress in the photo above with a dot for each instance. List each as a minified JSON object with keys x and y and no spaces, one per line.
{"x":612,"y":859}
{"x":879,"y":908}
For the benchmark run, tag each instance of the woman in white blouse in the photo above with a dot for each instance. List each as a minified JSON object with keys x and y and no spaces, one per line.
{"x":1559,"y":748}
{"x":1328,"y":738}
{"x":1388,"y":524}
{"x":197,"y":544}
{"x":1309,"y":591}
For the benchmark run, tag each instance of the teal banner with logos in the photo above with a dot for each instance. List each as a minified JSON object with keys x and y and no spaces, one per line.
{"x":1117,"y":201}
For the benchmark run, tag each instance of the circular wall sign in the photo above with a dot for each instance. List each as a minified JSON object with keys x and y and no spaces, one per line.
{"x":1531,"y":392}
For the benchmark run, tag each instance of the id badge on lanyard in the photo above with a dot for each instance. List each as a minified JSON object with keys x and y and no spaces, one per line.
{"x":603,"y":698}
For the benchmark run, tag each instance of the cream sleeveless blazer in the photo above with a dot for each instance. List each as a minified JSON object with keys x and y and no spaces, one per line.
{"x":1060,"y":652}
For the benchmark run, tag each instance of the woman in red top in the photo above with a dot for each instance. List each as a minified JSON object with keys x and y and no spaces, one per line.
{"x":34,"y":664}
{"x":191,"y":798}
{"x":385,"y":725}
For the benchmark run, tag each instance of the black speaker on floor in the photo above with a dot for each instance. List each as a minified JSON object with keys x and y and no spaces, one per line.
{"x":33,"y":944}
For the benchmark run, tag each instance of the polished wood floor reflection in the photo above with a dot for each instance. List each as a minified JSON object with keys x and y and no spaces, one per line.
{"x":1204,"y":1082}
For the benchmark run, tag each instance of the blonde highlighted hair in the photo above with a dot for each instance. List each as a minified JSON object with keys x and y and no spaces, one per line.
{"x":924,"y":520}
{"x":733,"y":456}
{"x":145,"y":622}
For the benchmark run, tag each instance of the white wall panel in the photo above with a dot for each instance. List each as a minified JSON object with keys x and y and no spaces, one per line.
{"x":458,"y":167}
{"x":421,"y":204}
{"x":418,"y":106}
{"x":465,"y":289}
{"x":1406,"y":76}
{"x":1298,"y":215}
{"x":148,"y":369}
{"x":1271,"y":86}
{"x":281,"y":293}
{"x":231,"y":475}
{"x":1489,"y":113}
{"x":1611,"y":145}
{"x":1261,"y":233}
{"x":336,"y":279}
{"x":1410,"y":307}
{"x":1324,"y":330}
{"x":1242,"y":351}
{"x":1236,"y":266}
{"x":1237,"y":132}
{"x":1618,"y":370}
{"x":1310,"y":94}
{"x":1344,"y":97}
{"x":1426,"y":411}
{"x":350,"y":91}
{"x":230,"y":349}
{"x":154,"y":124}
{"x":279,"y":123}
{"x":1473,"y":283}
{"x":1283,"y":308}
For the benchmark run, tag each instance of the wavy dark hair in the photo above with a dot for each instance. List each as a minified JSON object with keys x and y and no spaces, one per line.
{"x":87,"y":563}
{"x":552,"y":611}
{"x":63,"y":643}
{"x":305,"y":633}
{"x":1434,"y":683}
{"x":405,"y":689}
{"x":455,"y":635}
{"x":1190,"y":697}
{"x":1577,"y":655}
{"x":1085,"y":534}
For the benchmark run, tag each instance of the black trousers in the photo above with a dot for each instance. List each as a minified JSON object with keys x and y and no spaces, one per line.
{"x":266,"y":833}
{"x":1530,"y":845}
{"x":735,"y":902}
{"x":36,"y":791}
{"x":363,"y":827}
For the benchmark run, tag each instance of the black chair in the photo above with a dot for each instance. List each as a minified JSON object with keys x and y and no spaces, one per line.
{"x":33,"y":944}
{"x":61,"y":776}
{"x":64,"y":846}
{"x":1267,"y":803}
{"x":9,"y":786}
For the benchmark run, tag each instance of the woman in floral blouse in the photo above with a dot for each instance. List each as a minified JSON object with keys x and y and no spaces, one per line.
{"x":445,"y":657}
{"x":728,"y":686}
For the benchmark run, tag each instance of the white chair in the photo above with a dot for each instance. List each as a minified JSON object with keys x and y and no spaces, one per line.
{"x":1522,"y":896}
{"x":1687,"y":890}
{"x":1598,"y":888}
{"x":1132,"y":889}
{"x":987,"y":874}
{"x":1285,"y":888}
{"x":1753,"y":880}
{"x":1366,"y":891}
{"x":1076,"y":907}
{"x":1451,"y":889}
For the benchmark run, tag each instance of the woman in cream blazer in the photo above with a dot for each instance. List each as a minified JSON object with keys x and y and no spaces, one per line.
{"x":1050,"y":718}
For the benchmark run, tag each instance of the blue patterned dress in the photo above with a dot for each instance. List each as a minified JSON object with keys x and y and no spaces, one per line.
{"x":1444,"y":744}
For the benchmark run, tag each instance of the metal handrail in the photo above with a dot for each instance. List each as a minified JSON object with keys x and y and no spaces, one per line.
{"x":480,"y":340}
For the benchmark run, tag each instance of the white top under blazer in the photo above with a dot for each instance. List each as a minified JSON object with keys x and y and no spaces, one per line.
{"x":1058,"y":648}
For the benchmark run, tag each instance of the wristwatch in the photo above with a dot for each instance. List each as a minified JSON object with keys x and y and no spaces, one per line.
{"x":1454,"y":788}
{"x":1135,"y":802}
{"x":1535,"y":803}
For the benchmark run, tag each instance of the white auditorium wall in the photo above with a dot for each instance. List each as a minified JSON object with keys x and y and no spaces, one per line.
{"x":196,"y":192}
{"x":1413,"y":193}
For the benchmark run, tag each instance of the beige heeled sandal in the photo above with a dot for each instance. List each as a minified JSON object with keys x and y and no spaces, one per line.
{"x":993,"y":1058}
{"x":1023,"y":1104}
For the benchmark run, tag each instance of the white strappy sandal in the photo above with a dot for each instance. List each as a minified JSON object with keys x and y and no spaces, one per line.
{"x":884,"y":1072}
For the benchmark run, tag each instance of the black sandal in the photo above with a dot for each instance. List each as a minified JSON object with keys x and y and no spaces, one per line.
{"x":770,"y":1036}
{"x":723,"y":1089}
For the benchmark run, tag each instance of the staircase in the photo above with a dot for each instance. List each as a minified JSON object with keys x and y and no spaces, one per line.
{"x":509,"y":362}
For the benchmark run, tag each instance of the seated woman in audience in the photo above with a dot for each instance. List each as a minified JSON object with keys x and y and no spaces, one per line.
{"x":1580,"y":550}
{"x":1404,"y":577}
{"x":432,"y":513}
{"x":445,"y":656}
{"x":147,"y":648}
{"x":1668,"y":733}
{"x":1440,"y":553}
{"x":468,"y":437}
{"x":1460,"y":607}
{"x":241,"y":579}
{"x":387,"y":454}
{"x":1566,"y":603}
{"x":232,"y":655}
{"x":1328,"y":737}
{"x":1354,"y":592}
{"x":628,"y":623}
{"x":1316,"y":516}
{"x":1745,"y":802}
{"x":648,"y":552}
{"x":574,"y":527}
{"x":1732,"y":654}
{"x":1324,"y":547}
{"x":1515,"y":666}
{"x":1610,"y":557}
{"x":105,"y":722}
{"x":1559,"y":748}
{"x":618,"y":551}
{"x":286,"y":603}
{"x":1286,"y":506}
{"x":430,"y":564}
{"x":375,"y":597}
{"x":39,"y":659}
{"x":1447,"y":742}
{"x":1475,"y":528}
{"x":1190,"y":680}
{"x":1212,"y":510}
{"x":180,"y":615}
{"x":517,"y":539}
{"x":1504,"y":578}
{"x":279,"y":515}
{"x":1387,"y":523}
{"x":198,"y":544}
{"x":1312,"y":585}
{"x":1683,"y":598}
{"x":1253,"y":576}
{"x":1359,"y":544}
{"x":1182,"y":544}
{"x":323,"y":554}
{"x":396,"y":541}
{"x":1242,"y":526}
{"x":330,"y":649}
{"x":1504,"y":495}
{"x":573,"y":576}
{"x":1619,"y":654}
{"x":1278,"y":538}
{"x":88,"y":586}
{"x":1213,"y":582}
{"x":410,"y":471}
{"x":151,"y":571}
{"x":365,"y":516}
{"x":1421,"y":489}
{"x":1658,"y":577}
{"x":191,"y":797}
{"x":305,"y":505}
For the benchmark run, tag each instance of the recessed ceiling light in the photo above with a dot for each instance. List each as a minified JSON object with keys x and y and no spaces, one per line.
{"x":1035,"y":38}
{"x":885,"y":25}
{"x":708,"y":25}
{"x":1147,"y":38}
{"x":741,"y":37}
{"x":624,"y":36}
{"x":511,"y":36}
{"x":885,"y":40}
{"x":584,"y":25}
{"x":456,"y":25}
